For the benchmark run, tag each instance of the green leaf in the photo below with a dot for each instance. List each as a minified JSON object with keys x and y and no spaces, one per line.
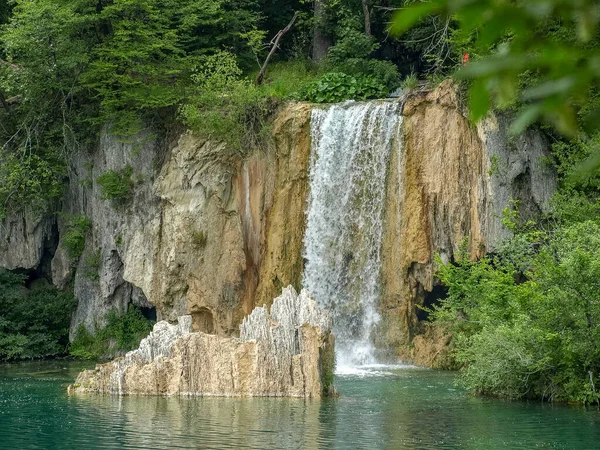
{"x":564,"y":119}
{"x":479,"y":101}
{"x":406,"y":18}
{"x":493,"y":65}
{"x":561,"y":86}
{"x":525,"y":119}
{"x":587,"y":168}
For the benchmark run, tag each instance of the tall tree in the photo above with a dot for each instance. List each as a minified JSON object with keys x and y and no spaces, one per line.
{"x":367,"y":16}
{"x":321,"y":38}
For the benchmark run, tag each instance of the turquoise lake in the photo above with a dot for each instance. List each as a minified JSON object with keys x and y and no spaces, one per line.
{"x":380,"y":408}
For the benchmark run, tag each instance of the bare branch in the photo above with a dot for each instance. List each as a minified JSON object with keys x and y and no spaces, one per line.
{"x":9,"y":64}
{"x":275,"y":46}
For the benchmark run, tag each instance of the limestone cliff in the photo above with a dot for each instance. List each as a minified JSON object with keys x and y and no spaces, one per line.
{"x":450,"y":181}
{"x":211,"y":234}
{"x":284,"y":352}
{"x":23,"y":238}
{"x":205,"y":232}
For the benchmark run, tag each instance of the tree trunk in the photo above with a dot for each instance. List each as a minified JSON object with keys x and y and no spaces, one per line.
{"x":321,"y":39}
{"x":367,"y":15}
{"x":3,"y":102}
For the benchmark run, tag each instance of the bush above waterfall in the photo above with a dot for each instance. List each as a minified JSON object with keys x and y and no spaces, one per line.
{"x":337,"y":87}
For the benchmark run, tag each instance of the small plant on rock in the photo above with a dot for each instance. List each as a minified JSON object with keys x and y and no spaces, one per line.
{"x":73,"y":240}
{"x":410,"y":82}
{"x":92,"y":264}
{"x":117,"y":185}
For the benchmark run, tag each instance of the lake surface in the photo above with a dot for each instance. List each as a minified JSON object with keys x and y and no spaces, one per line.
{"x":379,"y":408}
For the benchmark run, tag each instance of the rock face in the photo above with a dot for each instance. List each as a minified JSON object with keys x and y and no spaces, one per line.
{"x":205,"y":232}
{"x":287,"y":352}
{"x":231,"y":231}
{"x":212,"y":234}
{"x":122,"y":234}
{"x":450,"y":181}
{"x":23,"y":238}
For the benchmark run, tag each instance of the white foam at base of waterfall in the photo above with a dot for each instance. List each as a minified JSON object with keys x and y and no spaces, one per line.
{"x":373,"y":370}
{"x":351,"y":147}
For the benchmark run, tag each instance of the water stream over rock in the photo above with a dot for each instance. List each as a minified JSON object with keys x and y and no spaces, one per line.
{"x":351,"y":147}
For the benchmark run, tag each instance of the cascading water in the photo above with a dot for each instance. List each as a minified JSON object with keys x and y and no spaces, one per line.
{"x":351,"y":146}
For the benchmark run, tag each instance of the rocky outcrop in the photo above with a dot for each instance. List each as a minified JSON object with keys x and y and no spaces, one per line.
{"x":23,"y":238}
{"x":204,"y":231}
{"x":284,"y":352}
{"x":123,"y":233}
{"x":449,"y":183}
{"x":212,"y":234}
{"x":231,"y":231}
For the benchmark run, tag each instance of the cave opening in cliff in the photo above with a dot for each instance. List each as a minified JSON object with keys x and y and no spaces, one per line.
{"x":431,"y":299}
{"x":149,"y":313}
{"x":203,"y":321}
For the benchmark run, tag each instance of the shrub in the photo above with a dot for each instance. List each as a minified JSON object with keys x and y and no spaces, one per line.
{"x":227,"y":106}
{"x":410,"y":82}
{"x":531,"y":334}
{"x":27,"y":179}
{"x":117,"y":185}
{"x":33,"y":322}
{"x":337,"y":87}
{"x":121,"y":334}
{"x":74,"y":237}
{"x":352,"y":54}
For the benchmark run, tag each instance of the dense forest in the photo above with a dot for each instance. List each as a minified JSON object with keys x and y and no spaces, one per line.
{"x":525,"y":321}
{"x":69,"y":67}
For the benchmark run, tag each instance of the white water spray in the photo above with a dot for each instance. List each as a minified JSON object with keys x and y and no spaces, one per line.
{"x":351,"y":146}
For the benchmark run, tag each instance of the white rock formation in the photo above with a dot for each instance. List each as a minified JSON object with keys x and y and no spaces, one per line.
{"x":287,"y":352}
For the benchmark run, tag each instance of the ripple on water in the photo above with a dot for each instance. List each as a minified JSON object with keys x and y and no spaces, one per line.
{"x":380,"y":407}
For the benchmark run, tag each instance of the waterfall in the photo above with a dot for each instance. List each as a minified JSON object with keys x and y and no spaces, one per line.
{"x":351,"y":146}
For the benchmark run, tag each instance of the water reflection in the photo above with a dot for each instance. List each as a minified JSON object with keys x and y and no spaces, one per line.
{"x":407,"y":409}
{"x":148,"y":422}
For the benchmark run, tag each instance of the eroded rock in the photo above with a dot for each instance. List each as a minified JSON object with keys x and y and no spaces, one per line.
{"x":285,"y":352}
{"x":448,"y":185}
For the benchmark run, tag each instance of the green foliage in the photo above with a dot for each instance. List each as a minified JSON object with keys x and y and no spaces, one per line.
{"x":226,"y":105}
{"x":76,"y":229}
{"x":525,"y":321}
{"x":117,"y":185}
{"x":337,"y":87}
{"x":410,"y":82}
{"x":353,"y":51}
{"x":540,"y":57}
{"x":69,"y":66}
{"x":47,"y":53}
{"x":121,"y":334}
{"x":136,"y":67}
{"x":284,"y":79}
{"x":33,"y":322}
{"x":29,"y":179}
{"x":5,"y":8}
